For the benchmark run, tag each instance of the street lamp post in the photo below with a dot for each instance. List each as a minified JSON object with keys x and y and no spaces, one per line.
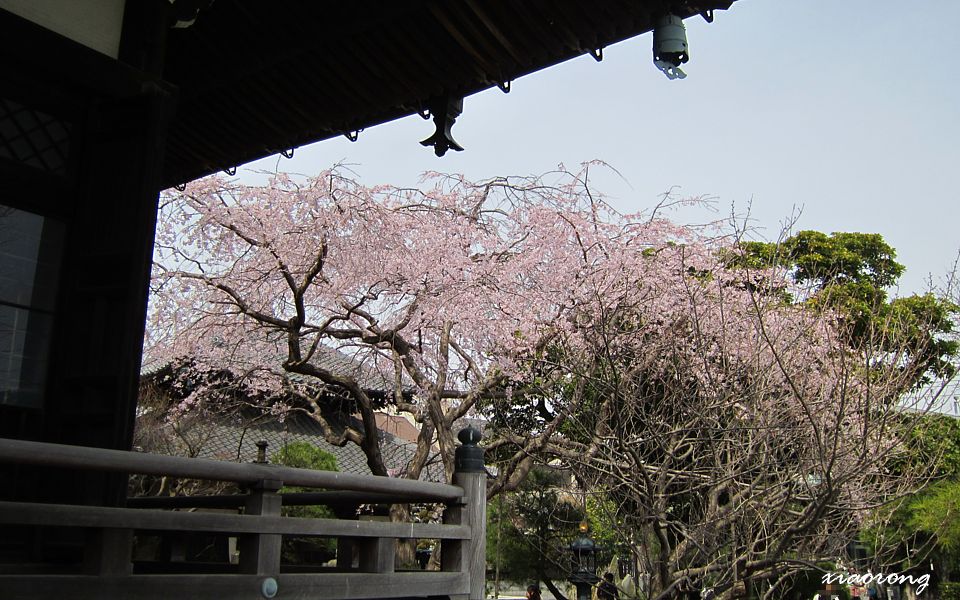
{"x":583,"y":564}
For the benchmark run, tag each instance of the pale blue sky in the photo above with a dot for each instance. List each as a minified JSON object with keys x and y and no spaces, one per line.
{"x":848,"y":109}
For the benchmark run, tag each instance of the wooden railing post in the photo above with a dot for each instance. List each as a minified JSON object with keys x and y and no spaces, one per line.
{"x":345,"y":546}
{"x":108,"y":551}
{"x":260,"y":552}
{"x":469,"y":556}
{"x":378,"y":555}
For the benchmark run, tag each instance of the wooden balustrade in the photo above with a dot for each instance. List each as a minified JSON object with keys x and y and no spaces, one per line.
{"x":107,"y":569}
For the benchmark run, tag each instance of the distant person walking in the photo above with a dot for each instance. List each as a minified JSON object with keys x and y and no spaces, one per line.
{"x":533,"y":592}
{"x":607,"y":590}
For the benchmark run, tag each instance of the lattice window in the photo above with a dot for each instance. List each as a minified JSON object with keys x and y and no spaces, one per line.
{"x":33,"y":138}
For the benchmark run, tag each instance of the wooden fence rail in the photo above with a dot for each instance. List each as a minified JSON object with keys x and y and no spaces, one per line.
{"x":121,"y":461}
{"x":24,"y":513}
{"x":107,"y":569}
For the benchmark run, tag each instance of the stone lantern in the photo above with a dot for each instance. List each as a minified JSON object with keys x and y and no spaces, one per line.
{"x":583,"y":563}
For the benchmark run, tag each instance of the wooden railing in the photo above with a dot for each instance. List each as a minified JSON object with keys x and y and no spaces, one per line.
{"x":365,"y":549}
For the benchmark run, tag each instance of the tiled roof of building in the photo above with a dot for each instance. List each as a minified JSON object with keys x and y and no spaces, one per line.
{"x":363,"y":369}
{"x":222,"y":439}
{"x":235,"y":438}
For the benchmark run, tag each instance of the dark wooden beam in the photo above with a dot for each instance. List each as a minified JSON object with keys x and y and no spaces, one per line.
{"x":68,"y":62}
{"x":291,"y":586}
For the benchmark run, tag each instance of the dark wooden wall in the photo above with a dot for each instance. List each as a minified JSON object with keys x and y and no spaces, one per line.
{"x":105,"y":197}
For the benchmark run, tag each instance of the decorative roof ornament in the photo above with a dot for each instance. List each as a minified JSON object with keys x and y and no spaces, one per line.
{"x":445,"y":110}
{"x":670,"y":48}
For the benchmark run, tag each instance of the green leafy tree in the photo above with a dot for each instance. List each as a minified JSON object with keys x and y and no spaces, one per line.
{"x":528,"y":530}
{"x":850,"y":272}
{"x":303,"y":455}
{"x":937,"y":513}
{"x":924,"y":526}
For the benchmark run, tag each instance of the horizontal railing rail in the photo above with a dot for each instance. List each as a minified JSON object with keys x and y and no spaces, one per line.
{"x":26,"y":513}
{"x":337,"y":499}
{"x":289,"y":586}
{"x":122,"y":461}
